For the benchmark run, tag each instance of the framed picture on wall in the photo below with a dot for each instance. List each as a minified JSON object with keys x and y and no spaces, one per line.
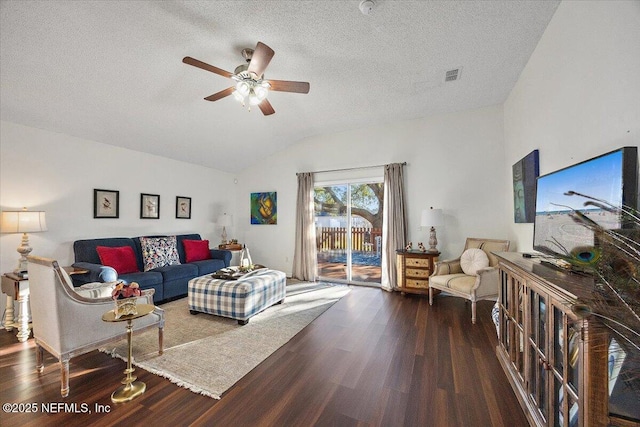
{"x":525,"y":173}
{"x":106,"y":203}
{"x":264,"y":208}
{"x":149,"y":206}
{"x":183,"y":207}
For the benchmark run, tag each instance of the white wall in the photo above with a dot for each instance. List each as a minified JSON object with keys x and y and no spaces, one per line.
{"x":579,"y":95}
{"x":57,"y":173}
{"x":455,"y":162}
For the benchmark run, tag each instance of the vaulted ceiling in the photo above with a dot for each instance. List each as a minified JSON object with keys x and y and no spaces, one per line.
{"x":112,"y":71}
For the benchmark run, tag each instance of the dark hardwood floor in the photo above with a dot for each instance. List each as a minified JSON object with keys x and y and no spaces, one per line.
{"x":373,"y":359}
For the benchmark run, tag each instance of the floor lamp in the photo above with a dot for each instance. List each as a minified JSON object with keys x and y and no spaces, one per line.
{"x":24,"y":222}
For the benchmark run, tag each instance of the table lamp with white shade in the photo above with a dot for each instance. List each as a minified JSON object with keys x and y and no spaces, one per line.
{"x":225,"y":221}
{"x":432,"y":218}
{"x":24,"y":222}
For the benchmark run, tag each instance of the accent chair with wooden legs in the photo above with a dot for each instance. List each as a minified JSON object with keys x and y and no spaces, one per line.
{"x":473,"y":276}
{"x":68,"y":324}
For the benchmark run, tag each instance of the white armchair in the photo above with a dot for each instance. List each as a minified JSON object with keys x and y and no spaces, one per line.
{"x":448,"y":276}
{"x":67,"y":324}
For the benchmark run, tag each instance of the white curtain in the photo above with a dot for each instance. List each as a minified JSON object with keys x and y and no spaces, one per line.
{"x":305,"y":263}
{"x":394,"y":227}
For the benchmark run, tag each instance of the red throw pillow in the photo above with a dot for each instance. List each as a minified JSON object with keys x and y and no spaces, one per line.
{"x":121,"y":258}
{"x":196,"y":250}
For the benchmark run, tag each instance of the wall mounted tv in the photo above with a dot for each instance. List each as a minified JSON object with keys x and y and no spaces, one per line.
{"x":612,"y":177}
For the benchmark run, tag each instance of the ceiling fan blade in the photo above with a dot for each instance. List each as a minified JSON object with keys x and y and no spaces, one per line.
{"x":196,"y":63}
{"x":219,"y":95}
{"x":260,"y":59}
{"x":266,"y":108}
{"x":286,"y":86}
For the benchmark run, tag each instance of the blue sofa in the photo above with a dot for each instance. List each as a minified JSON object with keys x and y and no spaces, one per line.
{"x":169,"y":282}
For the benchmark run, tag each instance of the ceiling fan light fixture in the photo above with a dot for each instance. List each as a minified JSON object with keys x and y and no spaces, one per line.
{"x":253,"y":99}
{"x":261,"y":92}
{"x":243,"y":88}
{"x":238,"y":97}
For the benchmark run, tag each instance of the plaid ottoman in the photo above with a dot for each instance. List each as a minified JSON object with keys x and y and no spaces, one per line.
{"x":238,"y":299}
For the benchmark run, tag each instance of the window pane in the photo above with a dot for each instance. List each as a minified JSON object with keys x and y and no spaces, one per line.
{"x":331,"y":230}
{"x":366,"y":232}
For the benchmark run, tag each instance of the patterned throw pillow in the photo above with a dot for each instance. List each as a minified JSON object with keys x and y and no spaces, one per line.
{"x":159,"y":252}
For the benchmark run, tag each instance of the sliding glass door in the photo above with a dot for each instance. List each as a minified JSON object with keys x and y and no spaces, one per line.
{"x":348,"y":219}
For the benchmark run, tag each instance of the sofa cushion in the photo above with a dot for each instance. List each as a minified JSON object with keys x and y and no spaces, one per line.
{"x":209,"y":266}
{"x":121,"y":258}
{"x":145,"y":280}
{"x":196,"y":250}
{"x":159,"y":252}
{"x":174,"y":272}
{"x":473,"y":260}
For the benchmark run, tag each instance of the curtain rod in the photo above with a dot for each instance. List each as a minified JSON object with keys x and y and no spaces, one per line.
{"x":351,"y":169}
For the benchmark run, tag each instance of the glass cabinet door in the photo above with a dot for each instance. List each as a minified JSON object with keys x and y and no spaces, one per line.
{"x":511,"y":320}
{"x":503,"y":320}
{"x":566,"y":369}
{"x":573,"y":353}
{"x":520,"y":301}
{"x":538,"y":362}
{"x":558,"y":341}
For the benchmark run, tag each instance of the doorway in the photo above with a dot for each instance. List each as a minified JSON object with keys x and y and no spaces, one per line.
{"x":348,"y":220}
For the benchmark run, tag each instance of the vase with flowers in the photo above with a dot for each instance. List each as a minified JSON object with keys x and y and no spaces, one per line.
{"x":125,"y":296}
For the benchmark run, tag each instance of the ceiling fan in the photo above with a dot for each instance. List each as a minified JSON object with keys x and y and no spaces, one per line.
{"x":251,"y":86}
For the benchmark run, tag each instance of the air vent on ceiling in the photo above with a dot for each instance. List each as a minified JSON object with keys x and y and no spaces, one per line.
{"x":453,"y":75}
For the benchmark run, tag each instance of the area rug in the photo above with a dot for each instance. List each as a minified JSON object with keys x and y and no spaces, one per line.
{"x":208,"y":354}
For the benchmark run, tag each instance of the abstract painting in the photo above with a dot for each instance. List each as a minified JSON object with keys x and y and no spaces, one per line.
{"x":264,"y":208}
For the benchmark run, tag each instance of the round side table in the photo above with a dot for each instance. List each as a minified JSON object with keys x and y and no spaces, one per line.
{"x":130,"y":388}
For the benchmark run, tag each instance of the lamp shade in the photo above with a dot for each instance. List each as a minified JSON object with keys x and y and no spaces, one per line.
{"x":23,"y":221}
{"x":225,"y":220}
{"x":431,"y":218}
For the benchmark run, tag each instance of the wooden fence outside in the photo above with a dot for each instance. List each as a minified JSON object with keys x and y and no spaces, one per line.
{"x":363,"y":239}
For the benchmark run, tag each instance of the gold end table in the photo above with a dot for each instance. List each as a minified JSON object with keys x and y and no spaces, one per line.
{"x":130,"y":388}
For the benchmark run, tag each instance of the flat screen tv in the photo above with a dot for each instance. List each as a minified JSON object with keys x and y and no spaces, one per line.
{"x":612,"y":177}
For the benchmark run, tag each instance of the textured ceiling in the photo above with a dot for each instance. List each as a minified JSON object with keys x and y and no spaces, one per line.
{"x":111,"y":71}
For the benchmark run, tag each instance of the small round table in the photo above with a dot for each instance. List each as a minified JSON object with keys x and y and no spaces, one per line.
{"x":130,"y":388}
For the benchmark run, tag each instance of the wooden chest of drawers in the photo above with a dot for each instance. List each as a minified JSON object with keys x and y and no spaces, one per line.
{"x":414,"y":269}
